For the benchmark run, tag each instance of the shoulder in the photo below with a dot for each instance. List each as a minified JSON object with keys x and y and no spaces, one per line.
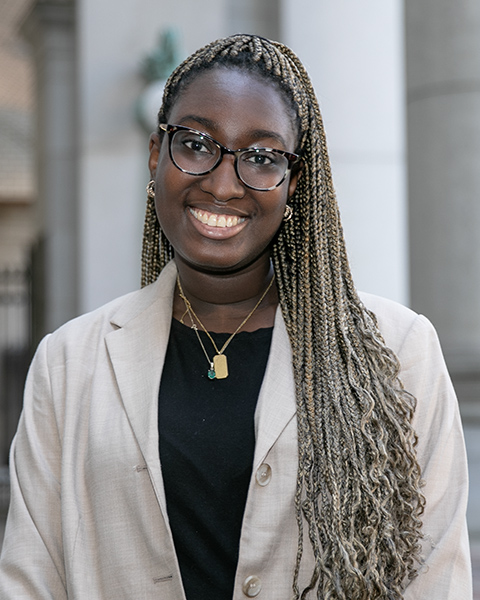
{"x":423,"y":371}
{"x":87,"y":328}
{"x":391,"y":316}
{"x":84,"y":333}
{"x":406,"y":332}
{"x":415,"y":342}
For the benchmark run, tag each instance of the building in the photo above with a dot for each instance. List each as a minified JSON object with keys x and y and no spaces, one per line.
{"x":399,"y":86}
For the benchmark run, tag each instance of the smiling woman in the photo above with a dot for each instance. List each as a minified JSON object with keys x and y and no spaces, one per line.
{"x":247,"y":424}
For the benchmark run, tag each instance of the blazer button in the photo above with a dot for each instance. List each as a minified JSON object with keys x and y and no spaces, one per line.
{"x":263,"y":474}
{"x":252,"y":586}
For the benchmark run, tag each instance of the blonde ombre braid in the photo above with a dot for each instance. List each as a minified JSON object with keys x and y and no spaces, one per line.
{"x":358,"y":496}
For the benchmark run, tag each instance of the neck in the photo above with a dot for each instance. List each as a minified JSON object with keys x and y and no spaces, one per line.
{"x":222,"y":301}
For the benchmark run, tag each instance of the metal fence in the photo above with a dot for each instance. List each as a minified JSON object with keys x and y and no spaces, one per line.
{"x":15,"y":342}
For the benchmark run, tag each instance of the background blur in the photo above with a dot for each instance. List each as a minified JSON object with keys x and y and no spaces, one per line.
{"x":399,"y":86}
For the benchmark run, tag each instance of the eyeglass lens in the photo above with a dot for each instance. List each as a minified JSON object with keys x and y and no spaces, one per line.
{"x":197,"y":155}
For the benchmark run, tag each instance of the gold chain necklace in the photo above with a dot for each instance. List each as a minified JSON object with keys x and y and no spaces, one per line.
{"x":218,"y":366}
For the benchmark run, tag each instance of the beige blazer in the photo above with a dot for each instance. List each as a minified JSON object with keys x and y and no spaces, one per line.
{"x":88,"y":519}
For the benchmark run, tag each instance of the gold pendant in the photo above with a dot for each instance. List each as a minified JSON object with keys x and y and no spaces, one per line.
{"x":220,"y":365}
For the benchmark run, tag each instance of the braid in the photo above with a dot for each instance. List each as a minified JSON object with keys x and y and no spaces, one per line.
{"x":156,"y":249}
{"x":358,"y":493}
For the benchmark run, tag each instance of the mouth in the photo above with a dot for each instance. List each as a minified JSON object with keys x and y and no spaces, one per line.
{"x":215,"y":220}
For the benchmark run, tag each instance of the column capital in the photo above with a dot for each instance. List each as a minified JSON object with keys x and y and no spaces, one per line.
{"x":45,"y":14}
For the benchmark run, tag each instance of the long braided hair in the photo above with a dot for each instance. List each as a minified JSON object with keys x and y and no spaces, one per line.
{"x":358,"y":493}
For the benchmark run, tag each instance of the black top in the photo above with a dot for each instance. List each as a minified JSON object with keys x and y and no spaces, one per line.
{"x":207,"y":442}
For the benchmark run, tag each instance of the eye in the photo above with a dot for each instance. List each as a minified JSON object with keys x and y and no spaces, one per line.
{"x":261,"y":158}
{"x":198,"y":144}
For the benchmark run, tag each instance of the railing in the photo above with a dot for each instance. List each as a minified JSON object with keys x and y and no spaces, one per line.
{"x":15,"y":336}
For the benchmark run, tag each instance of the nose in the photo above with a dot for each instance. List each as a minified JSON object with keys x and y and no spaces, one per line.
{"x":222,"y":183}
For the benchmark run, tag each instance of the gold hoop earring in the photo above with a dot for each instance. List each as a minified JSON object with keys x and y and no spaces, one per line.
{"x":151,"y":189}
{"x":287,"y":215}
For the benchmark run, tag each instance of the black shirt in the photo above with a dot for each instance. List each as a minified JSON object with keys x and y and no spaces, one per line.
{"x":207,"y":442}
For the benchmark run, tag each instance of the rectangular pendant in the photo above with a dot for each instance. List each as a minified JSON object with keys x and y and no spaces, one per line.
{"x":220,"y":365}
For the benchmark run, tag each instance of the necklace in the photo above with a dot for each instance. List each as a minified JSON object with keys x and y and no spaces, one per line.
{"x":218,"y":366}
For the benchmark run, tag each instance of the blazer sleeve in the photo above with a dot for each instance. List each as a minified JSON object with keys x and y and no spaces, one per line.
{"x":31,"y":563}
{"x":446,"y":573}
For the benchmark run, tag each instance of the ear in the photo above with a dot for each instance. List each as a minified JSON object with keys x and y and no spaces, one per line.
{"x":294,"y":177}
{"x":154,"y":148}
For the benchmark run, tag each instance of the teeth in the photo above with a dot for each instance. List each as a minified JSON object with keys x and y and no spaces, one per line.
{"x":214,"y":220}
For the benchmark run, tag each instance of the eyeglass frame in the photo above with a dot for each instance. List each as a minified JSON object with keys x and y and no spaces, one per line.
{"x":171,"y":130}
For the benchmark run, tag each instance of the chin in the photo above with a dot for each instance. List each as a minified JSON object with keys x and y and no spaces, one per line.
{"x":225,"y":265}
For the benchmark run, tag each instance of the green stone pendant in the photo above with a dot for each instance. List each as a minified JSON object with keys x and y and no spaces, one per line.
{"x":211,"y":372}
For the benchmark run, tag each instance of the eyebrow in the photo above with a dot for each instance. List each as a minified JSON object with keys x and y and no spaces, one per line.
{"x":256,"y":134}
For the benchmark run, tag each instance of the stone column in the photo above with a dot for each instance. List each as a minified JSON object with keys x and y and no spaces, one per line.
{"x":50,"y":28}
{"x":354,"y":52}
{"x":443,"y":92}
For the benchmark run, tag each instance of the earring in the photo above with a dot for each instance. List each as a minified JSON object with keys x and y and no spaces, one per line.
{"x":151,"y":189}
{"x":287,"y":215}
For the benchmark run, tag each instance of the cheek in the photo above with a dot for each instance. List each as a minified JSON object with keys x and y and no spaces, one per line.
{"x":165,"y":208}
{"x":277,"y":205}
{"x":163,"y":166}
{"x":167,"y":186}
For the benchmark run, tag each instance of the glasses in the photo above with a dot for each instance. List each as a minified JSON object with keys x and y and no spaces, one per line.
{"x":196,"y":153}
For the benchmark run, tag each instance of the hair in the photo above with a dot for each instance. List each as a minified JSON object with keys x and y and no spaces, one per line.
{"x":358,"y":495}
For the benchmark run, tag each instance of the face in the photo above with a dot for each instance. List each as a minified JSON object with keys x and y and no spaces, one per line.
{"x":213,"y":221}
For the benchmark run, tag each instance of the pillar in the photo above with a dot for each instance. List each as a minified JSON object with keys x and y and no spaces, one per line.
{"x":50,"y":28}
{"x":443,"y":94}
{"x":354,"y":53}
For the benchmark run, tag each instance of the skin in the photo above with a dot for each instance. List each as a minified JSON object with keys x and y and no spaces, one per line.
{"x":224,"y":270}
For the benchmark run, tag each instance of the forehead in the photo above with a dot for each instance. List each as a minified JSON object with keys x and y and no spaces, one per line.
{"x":235,"y":102}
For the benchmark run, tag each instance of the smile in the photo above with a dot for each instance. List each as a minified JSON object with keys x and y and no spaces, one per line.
{"x":214,"y":220}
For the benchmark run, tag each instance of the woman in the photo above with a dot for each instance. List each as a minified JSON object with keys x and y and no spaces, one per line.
{"x":283,"y":423}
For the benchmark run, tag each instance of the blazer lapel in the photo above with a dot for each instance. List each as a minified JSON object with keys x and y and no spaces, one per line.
{"x":137,"y":352}
{"x":276,"y":405}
